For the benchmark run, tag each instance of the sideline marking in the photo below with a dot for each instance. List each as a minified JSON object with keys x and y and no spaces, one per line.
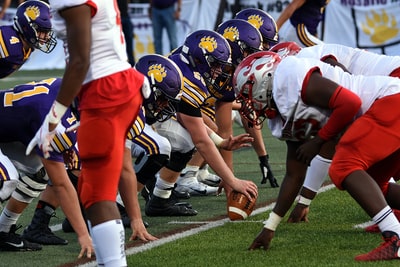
{"x":205,"y":227}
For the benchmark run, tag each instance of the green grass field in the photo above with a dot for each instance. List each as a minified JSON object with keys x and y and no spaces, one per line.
{"x":209,"y":239}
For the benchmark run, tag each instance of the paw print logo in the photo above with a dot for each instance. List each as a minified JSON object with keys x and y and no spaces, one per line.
{"x":380,"y":27}
{"x":32,"y":12}
{"x":256,"y":20}
{"x":231,"y":34}
{"x":208,"y":43}
{"x":158,"y":72}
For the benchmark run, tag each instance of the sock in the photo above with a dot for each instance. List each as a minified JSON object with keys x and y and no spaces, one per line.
{"x":387,"y":221}
{"x":163,"y":188}
{"x":109,"y":243}
{"x":49,"y":209}
{"x":8,"y":218}
{"x":316,"y":173}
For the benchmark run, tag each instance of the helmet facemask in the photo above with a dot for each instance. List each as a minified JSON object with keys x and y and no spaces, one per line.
{"x":253,"y":110}
{"x":160,"y":106}
{"x":45,"y":38}
{"x":219,"y":75}
{"x":253,"y":84}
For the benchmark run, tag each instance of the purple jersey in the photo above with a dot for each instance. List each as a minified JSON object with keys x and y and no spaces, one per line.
{"x":23,"y":110}
{"x":12,"y":53}
{"x":310,"y":14}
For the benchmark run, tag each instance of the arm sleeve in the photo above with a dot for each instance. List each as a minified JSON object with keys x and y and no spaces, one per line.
{"x":345,"y":105}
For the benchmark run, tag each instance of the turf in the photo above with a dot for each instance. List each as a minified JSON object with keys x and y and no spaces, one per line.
{"x":330,"y":238}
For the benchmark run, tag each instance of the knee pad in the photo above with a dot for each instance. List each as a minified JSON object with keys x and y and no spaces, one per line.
{"x":146,"y":167}
{"x":7,"y":188}
{"x":8,"y":178}
{"x":179,"y":160}
{"x":30,"y":186}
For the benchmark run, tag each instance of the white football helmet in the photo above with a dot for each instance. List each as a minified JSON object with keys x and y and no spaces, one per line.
{"x":252,"y":82}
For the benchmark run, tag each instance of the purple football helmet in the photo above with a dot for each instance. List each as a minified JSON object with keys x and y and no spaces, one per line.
{"x":263,"y":22}
{"x":243,"y":38}
{"x":166,"y":82}
{"x":209,"y":53}
{"x":32,"y":21}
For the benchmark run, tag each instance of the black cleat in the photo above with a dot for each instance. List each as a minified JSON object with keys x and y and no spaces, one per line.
{"x":42,"y":235}
{"x":39,"y":232}
{"x":13,"y":242}
{"x":125,"y":218}
{"x":67,"y":227}
{"x":157,"y":206}
{"x":145,"y":193}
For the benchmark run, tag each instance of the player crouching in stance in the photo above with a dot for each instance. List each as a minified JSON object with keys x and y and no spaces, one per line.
{"x":309,"y":102}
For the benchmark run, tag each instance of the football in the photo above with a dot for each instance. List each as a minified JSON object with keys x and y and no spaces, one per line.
{"x":239,"y":207}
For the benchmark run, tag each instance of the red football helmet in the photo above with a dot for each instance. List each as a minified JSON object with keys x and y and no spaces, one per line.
{"x":252,"y":82}
{"x":285,"y":49}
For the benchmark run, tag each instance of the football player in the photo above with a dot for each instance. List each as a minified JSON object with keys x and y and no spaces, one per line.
{"x":23,"y":109}
{"x":205,"y":62}
{"x":32,"y":29}
{"x":299,"y":22}
{"x":264,"y":22}
{"x":98,"y":73}
{"x":269,"y":32}
{"x":243,"y":39}
{"x":355,"y":61}
{"x":166,"y":83}
{"x":309,"y":103}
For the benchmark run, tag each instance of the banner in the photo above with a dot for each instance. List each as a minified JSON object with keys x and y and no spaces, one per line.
{"x":369,"y":24}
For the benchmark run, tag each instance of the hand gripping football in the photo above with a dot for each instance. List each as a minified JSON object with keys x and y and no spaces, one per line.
{"x":239,"y":206}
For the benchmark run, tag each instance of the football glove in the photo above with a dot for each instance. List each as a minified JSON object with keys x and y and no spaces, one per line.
{"x":267,"y":173}
{"x":42,"y":139}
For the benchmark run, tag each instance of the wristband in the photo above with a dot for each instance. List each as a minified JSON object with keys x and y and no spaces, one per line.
{"x":56,"y":112}
{"x":272,"y":222}
{"x":303,"y":200}
{"x":216,"y":139}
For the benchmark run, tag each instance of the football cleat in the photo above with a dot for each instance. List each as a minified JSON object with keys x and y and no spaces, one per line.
{"x":43,"y":235}
{"x":188,"y":182}
{"x":388,"y":250}
{"x":374,"y":228}
{"x":67,"y":227}
{"x":236,"y":118}
{"x":38,"y":230}
{"x":146,"y":194}
{"x":126,"y":221}
{"x":205,"y":177}
{"x":13,"y":242}
{"x":157,"y":206}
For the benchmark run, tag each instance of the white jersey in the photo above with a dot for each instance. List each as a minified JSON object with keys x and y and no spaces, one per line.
{"x":299,"y":121}
{"x":356,"y":60}
{"x":108,"y":56}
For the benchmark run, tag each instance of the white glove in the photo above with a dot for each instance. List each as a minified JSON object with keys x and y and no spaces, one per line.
{"x":43,"y":139}
{"x":146,"y":89}
{"x":73,"y":127}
